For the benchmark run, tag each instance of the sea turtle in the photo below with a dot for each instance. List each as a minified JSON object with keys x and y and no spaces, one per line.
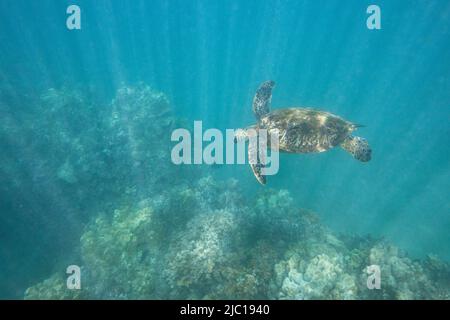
{"x":302,"y":130}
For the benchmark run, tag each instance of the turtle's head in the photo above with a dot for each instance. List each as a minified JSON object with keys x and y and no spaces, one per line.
{"x":358,"y":147}
{"x":363,"y":152}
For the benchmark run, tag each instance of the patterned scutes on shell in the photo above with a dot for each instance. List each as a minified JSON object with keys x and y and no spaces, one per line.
{"x":303,"y":130}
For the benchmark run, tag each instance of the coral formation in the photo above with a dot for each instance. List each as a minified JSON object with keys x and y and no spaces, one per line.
{"x":215,"y":253}
{"x":88,"y":154}
{"x":403,"y":278}
{"x":53,"y":288}
{"x":138,"y":131}
{"x":67,"y":156}
{"x":124,"y":247}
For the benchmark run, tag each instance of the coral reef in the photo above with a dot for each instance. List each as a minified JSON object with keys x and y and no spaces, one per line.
{"x":124,"y":247}
{"x":333,"y":270}
{"x":138,"y":132}
{"x":161,"y":233}
{"x":314,"y":267}
{"x":53,"y":288}
{"x":403,"y":278}
{"x":205,"y":241}
{"x":66,"y":156}
{"x":87,"y":153}
{"x":203,"y":250}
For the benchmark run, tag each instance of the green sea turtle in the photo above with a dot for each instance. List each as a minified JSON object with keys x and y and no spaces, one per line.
{"x":302,"y":130}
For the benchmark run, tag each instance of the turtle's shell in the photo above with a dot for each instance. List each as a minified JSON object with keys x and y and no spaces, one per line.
{"x":303,"y":130}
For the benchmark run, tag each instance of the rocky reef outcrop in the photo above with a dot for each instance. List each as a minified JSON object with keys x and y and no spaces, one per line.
{"x":207,"y":241}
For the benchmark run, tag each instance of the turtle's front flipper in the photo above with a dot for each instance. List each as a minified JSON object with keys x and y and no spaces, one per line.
{"x":358,"y":147}
{"x":262,"y":99}
{"x":257,"y":172}
{"x":256,"y":159}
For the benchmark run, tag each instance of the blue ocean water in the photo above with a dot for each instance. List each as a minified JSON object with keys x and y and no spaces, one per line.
{"x":208,"y":58}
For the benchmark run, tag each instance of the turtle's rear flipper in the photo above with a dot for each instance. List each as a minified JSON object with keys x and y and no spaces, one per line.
{"x":262,"y":99}
{"x":256,"y":159}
